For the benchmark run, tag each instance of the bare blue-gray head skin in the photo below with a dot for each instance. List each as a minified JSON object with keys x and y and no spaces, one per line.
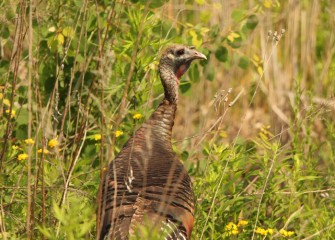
{"x":175,"y":61}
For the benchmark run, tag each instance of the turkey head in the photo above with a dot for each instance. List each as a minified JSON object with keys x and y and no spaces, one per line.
{"x":174,"y":63}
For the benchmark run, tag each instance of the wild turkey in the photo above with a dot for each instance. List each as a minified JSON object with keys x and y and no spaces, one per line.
{"x":146,"y":182}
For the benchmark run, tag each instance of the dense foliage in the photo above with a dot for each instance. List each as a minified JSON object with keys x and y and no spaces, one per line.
{"x":255,"y":123}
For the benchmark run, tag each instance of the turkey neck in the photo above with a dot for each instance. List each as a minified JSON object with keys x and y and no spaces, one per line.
{"x":162,"y":120}
{"x":170,"y":82}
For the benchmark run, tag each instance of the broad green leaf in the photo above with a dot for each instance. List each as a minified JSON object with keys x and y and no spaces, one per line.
{"x":237,"y":15}
{"x":205,"y":16}
{"x":184,"y":155}
{"x":252,"y":22}
{"x":52,"y":44}
{"x":243,"y":63}
{"x":194,"y":73}
{"x":185,"y":86}
{"x":68,"y":32}
{"x":221,"y":54}
{"x":80,"y":58}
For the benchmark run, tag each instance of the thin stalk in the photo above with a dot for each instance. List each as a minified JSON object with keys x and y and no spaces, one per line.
{"x":30,"y":120}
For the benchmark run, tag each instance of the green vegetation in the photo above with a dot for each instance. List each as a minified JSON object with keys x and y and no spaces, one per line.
{"x":255,"y":123}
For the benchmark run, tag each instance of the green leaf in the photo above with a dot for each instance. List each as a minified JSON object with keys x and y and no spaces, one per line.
{"x":68,"y":32}
{"x":184,"y":155}
{"x":206,"y":151}
{"x":236,"y":43}
{"x":5,"y":33}
{"x":252,"y":22}
{"x":156,"y":3}
{"x":80,"y":58}
{"x":238,"y":15}
{"x":221,"y":54}
{"x":4,"y":64}
{"x":214,"y":31}
{"x":185,"y":86}
{"x":243,"y":63}
{"x":194,"y":73}
{"x":22,"y":118}
{"x":205,"y":16}
{"x":46,"y":232}
{"x":210,"y":73}
{"x":307,"y":178}
{"x":52,"y":44}
{"x":59,"y":212}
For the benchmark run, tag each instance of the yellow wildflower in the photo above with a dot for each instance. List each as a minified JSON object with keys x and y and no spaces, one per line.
{"x":242,"y":223}
{"x":29,"y":141}
{"x":45,"y":151}
{"x":282,"y":232}
{"x":15,"y":147}
{"x":97,"y":137}
{"x":118,"y":133}
{"x":22,"y":156}
{"x":261,"y":231}
{"x":286,"y":233}
{"x":231,"y":226}
{"x":231,"y":229}
{"x":270,"y":231}
{"x":12,"y":114}
{"x":53,"y":143}
{"x":6,"y":102}
{"x":137,"y":116}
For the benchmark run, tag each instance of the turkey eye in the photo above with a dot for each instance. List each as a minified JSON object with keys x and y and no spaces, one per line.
{"x":180,"y":52}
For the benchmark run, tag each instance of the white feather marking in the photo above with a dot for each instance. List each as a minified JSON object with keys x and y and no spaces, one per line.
{"x":130,"y":180}
{"x":170,"y":56}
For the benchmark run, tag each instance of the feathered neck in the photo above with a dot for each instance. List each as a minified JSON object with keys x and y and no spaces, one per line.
{"x":169,"y":81}
{"x":159,"y":125}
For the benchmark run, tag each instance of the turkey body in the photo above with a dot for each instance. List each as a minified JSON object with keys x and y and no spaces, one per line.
{"x":146,"y":182}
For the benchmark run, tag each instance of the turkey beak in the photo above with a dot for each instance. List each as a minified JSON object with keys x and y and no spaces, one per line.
{"x":196,"y":55}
